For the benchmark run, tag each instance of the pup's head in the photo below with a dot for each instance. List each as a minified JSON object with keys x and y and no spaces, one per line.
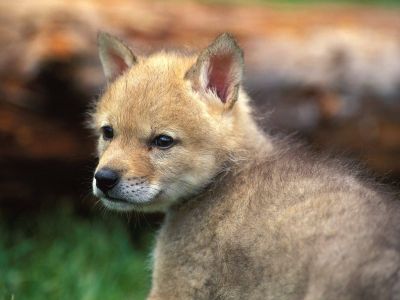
{"x":166,"y":123}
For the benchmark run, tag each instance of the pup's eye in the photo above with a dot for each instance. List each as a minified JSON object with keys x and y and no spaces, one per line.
{"x":163,"y":141}
{"x":107,"y":132}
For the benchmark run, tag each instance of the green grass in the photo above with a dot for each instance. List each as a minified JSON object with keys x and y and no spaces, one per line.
{"x":61,"y":256}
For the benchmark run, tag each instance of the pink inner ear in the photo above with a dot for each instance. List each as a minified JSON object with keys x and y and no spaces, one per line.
{"x":119,"y":64}
{"x":219,"y":75}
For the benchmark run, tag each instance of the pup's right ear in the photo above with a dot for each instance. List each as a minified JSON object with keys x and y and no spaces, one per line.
{"x":219,"y":70}
{"x":115,"y":56}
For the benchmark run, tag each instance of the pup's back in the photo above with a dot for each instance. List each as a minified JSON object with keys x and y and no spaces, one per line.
{"x":247,"y":217}
{"x":286,"y":227}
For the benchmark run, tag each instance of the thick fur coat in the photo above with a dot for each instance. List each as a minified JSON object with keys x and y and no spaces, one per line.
{"x":247,"y":216}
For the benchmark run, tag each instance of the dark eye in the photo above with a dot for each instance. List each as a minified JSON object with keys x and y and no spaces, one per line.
{"x":163,"y":141}
{"x":107,"y":132}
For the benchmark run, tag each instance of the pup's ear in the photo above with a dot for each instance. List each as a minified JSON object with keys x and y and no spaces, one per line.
{"x":219,"y":69}
{"x":115,"y":56}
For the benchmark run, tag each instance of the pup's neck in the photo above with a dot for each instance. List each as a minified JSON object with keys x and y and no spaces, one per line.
{"x":251,"y":142}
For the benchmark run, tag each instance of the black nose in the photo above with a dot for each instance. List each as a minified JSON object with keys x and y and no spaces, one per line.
{"x":106,"y":179}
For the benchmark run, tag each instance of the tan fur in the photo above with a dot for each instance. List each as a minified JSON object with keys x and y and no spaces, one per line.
{"x":247,"y":216}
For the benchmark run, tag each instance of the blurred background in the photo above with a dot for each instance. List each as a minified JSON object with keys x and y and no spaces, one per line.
{"x":324,"y":72}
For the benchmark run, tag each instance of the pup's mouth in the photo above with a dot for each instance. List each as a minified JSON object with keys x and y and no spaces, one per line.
{"x":116,"y":200}
{"x":117,"y":204}
{"x":121,"y":204}
{"x":127,"y":196}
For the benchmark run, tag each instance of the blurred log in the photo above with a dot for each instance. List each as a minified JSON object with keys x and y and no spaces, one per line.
{"x":330,"y":73}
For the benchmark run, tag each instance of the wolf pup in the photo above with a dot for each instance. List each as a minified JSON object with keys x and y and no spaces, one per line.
{"x":247,"y":216}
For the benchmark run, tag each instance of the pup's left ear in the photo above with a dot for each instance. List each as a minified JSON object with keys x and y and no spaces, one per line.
{"x":219,"y":69}
{"x":115,"y":56}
